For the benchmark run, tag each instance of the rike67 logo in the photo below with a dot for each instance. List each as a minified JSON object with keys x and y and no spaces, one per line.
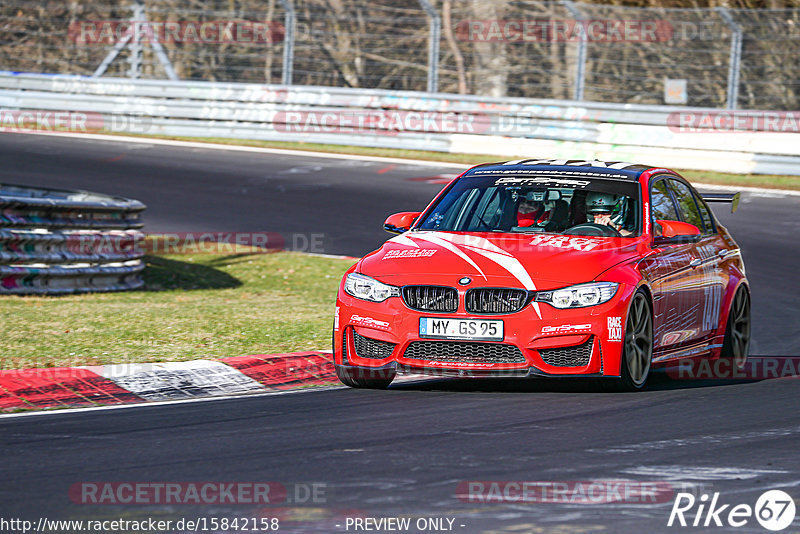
{"x":774,"y":510}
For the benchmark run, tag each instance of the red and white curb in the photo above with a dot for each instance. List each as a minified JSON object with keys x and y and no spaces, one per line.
{"x":135,"y":383}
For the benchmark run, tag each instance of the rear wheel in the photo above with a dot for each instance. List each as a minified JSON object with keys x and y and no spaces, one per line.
{"x":361,"y":378}
{"x":637,"y":353}
{"x":736,"y":343}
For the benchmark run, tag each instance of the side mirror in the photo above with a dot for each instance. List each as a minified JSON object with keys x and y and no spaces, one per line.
{"x":400,"y":222}
{"x":676,"y":232}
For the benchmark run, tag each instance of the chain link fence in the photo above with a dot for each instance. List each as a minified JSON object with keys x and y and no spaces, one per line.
{"x":723,"y":58}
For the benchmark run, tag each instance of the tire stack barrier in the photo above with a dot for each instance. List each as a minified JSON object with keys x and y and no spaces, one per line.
{"x":55,"y":242}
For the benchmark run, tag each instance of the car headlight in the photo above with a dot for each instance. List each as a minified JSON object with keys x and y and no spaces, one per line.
{"x":366,"y":288}
{"x":579,"y":296}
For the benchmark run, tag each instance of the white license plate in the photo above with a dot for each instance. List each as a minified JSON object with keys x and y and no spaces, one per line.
{"x":448,"y":328}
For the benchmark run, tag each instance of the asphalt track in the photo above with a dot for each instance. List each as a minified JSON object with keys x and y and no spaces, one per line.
{"x":406,"y":450}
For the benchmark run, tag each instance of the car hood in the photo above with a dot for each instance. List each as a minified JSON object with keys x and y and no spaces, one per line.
{"x":532,"y":261}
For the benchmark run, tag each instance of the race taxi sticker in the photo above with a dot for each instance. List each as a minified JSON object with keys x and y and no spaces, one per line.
{"x":575,"y":163}
{"x":368,"y":321}
{"x":582,"y":244}
{"x":614,"y":328}
{"x":409,"y":253}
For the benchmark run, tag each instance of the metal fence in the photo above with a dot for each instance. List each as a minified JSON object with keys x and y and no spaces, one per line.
{"x":685,"y":138}
{"x":56,"y":242}
{"x":723,"y":58}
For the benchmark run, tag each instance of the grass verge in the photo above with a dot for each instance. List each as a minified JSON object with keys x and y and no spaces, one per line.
{"x":770,"y":181}
{"x":201,"y":306}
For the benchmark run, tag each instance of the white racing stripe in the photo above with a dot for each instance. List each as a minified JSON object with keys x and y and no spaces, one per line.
{"x":486,"y":249}
{"x":402,"y":239}
{"x":444,"y":243}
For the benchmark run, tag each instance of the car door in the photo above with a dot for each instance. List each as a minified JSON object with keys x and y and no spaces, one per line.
{"x":675,"y":308}
{"x":707,"y":279}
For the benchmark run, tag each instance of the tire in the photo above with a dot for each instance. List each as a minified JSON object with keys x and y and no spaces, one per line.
{"x":736,"y":343}
{"x":378,"y":380}
{"x":637,"y":352}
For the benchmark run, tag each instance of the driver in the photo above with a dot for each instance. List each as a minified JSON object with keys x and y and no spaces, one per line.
{"x":531,"y":211}
{"x":600,"y":208}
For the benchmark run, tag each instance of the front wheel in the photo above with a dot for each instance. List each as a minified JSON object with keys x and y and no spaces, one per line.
{"x":360,"y":378}
{"x":637,"y":354}
{"x":736,"y":343}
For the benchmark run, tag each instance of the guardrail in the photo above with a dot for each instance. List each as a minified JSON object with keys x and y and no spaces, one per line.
{"x":56,"y":242}
{"x":689,"y":138}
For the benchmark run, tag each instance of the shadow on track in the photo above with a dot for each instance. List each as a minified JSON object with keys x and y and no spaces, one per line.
{"x":658,"y":381}
{"x":162,"y":274}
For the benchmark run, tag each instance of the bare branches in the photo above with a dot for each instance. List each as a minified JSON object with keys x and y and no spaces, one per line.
{"x":383,"y":44}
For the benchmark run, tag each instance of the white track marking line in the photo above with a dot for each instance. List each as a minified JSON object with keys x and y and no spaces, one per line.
{"x":243,"y":148}
{"x":762,"y":191}
{"x":684,"y":472}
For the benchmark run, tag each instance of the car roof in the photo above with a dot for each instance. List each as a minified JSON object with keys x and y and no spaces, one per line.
{"x":572,"y":167}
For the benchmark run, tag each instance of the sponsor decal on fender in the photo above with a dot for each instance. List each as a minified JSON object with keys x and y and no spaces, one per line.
{"x":368,"y":321}
{"x":582,"y":244}
{"x":336,"y":320}
{"x":614,"y":328}
{"x":566,"y":328}
{"x":409,"y":253}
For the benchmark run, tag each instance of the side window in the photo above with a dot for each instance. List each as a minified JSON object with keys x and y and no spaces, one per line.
{"x":687,"y":206}
{"x":661,"y":204}
{"x":705,"y":213}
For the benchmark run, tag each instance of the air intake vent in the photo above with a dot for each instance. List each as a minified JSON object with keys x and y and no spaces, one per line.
{"x":431,"y":298}
{"x":371,"y":348}
{"x":575,"y":356}
{"x":496,"y":300}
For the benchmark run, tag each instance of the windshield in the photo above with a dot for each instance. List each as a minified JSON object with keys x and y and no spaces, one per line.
{"x":579,"y":206}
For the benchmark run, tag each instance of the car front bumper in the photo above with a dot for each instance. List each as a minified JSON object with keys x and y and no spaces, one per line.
{"x":385,"y":337}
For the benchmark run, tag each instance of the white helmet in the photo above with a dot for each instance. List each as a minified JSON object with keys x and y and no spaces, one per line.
{"x":600,"y":202}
